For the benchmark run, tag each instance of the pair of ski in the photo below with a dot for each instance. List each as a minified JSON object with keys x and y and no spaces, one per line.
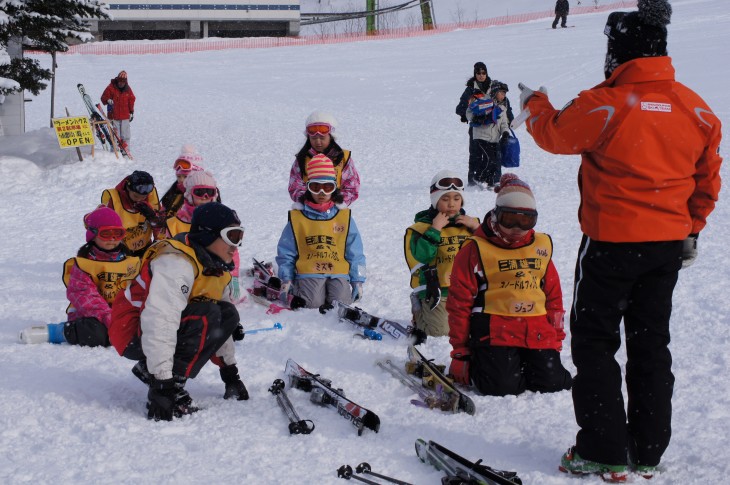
{"x":323,"y":394}
{"x":96,"y":113}
{"x":459,"y":470}
{"x":434,"y":389}
{"x":373,"y":327}
{"x":267,"y":289}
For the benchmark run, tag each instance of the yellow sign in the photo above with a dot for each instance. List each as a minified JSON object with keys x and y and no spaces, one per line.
{"x":73,"y":132}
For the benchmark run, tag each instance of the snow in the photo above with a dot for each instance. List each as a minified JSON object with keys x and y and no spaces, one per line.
{"x":77,"y":415}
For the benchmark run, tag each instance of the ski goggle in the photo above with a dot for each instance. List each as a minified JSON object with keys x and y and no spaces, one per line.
{"x":108,"y":233}
{"x":233,"y":236}
{"x":203,"y":191}
{"x":525,"y":219}
{"x":325,"y":188}
{"x":448,"y":183}
{"x":142,"y":189}
{"x":319,"y":130}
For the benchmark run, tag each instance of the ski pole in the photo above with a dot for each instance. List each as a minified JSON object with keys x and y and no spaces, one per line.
{"x":345,"y":471}
{"x":365,"y":468}
{"x":277,"y":326}
{"x":296,"y":424}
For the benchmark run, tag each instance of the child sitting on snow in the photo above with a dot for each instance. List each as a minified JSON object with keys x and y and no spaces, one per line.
{"x":200,"y":189}
{"x":320,"y":130}
{"x":505,"y":302}
{"x":187,"y":162}
{"x":93,"y":278}
{"x":320,"y":253}
{"x":431,"y":244}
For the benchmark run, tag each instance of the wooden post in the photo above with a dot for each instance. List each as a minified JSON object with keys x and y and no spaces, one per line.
{"x":78,"y":150}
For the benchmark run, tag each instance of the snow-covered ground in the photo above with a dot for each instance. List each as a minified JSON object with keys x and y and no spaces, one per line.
{"x":76,"y":415}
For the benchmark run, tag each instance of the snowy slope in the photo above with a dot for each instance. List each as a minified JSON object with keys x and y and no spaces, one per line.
{"x":76,"y":415}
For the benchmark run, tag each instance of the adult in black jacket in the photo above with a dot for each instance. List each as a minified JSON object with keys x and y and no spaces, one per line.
{"x":562,"y":7}
{"x":480,"y":81}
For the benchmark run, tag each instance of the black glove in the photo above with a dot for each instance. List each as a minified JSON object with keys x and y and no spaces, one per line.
{"x":238,"y":333}
{"x":161,"y":399}
{"x":146,"y":210}
{"x":433,"y":288}
{"x":155,"y":219}
{"x":505,"y":136}
{"x":463,"y":119}
{"x":479,"y":119}
{"x":234,"y":385}
{"x":131,"y":117}
{"x":689,"y":250}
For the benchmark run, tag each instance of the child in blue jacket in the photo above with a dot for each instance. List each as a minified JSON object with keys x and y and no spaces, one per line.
{"x":320,"y":252}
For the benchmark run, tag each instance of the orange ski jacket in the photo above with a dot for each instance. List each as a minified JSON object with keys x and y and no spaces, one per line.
{"x":649,"y":149}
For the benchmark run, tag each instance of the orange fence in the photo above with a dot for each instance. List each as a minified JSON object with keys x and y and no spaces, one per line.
{"x":184,"y":45}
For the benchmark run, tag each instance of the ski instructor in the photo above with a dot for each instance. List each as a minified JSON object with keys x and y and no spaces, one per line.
{"x":119,"y":99}
{"x":648,"y":179}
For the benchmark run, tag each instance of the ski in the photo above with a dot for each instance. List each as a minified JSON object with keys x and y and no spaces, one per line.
{"x":324,"y":394}
{"x":123,"y":146}
{"x":460,"y":470}
{"x":433,"y":376}
{"x":430,"y":398}
{"x":101,"y":132}
{"x":267,"y":291}
{"x":296,"y":424}
{"x":361,"y":318}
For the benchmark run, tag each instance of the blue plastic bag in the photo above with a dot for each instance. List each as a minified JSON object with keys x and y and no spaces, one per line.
{"x":511,"y":151}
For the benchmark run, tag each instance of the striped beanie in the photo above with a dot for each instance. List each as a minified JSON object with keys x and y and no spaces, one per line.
{"x":321,"y":169}
{"x":514,"y":193}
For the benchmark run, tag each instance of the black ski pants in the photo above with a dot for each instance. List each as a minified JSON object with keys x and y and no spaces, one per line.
{"x":562,"y":17}
{"x":501,"y":371}
{"x":204,"y":328}
{"x":633,"y":282}
{"x":485,"y":162}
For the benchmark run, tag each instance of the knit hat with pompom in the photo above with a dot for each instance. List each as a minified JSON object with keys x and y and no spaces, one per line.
{"x":632,"y":35}
{"x":188,"y":153}
{"x":202,"y":178}
{"x":514,"y":193}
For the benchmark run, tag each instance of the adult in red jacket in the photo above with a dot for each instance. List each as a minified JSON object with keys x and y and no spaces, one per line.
{"x":505,"y":303}
{"x":119,"y":98}
{"x":649,"y":177}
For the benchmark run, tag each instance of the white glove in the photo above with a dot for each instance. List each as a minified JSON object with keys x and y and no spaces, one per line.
{"x":110,"y":102}
{"x":526,"y":93}
{"x":356,"y":291}
{"x":689,"y":251}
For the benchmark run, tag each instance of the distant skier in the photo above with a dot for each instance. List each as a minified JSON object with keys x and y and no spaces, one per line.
{"x":562,"y":8}
{"x":119,"y":98}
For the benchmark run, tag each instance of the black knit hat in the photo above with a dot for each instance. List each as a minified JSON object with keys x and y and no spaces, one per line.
{"x":480,"y":66}
{"x":141,"y":182}
{"x":208,"y":221}
{"x":632,"y":35}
